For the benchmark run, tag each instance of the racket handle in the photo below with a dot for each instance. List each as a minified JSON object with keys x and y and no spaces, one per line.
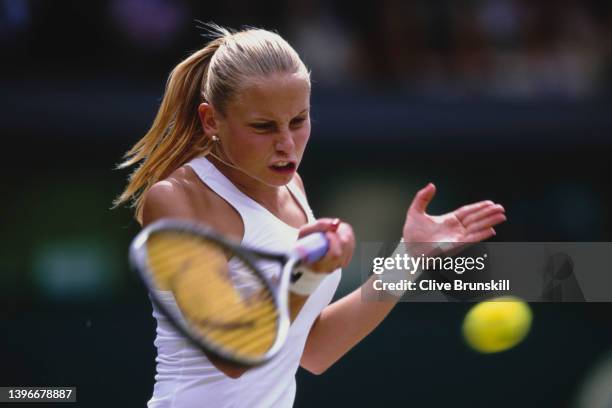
{"x":311,"y":248}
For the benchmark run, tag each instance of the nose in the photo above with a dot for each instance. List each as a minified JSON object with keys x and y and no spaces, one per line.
{"x":284,"y":142}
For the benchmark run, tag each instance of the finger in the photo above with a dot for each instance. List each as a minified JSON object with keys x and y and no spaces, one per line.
{"x":485,"y":212}
{"x":486,"y":222}
{"x":422,"y":198}
{"x":320,"y":225}
{"x":466,"y":210}
{"x":480,"y":235}
{"x":334,"y":224}
{"x":331,"y":258}
{"x":335,"y":246}
{"x":347,"y":241}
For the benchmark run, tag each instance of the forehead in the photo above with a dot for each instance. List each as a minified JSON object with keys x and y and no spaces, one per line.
{"x":276,"y":97}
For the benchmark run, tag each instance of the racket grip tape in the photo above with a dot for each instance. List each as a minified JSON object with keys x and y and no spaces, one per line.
{"x":312,"y":247}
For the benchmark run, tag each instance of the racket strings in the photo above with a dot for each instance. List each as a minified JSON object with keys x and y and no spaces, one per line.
{"x":249,"y":340}
{"x":197,"y":273}
{"x":226,"y":303}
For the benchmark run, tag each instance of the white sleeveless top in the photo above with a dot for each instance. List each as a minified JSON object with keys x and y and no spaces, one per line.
{"x":185,"y":377}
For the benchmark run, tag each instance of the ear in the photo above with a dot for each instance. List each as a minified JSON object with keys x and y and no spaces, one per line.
{"x":208,"y":118}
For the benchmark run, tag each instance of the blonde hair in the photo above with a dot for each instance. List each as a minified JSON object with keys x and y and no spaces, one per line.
{"x":213,"y":74}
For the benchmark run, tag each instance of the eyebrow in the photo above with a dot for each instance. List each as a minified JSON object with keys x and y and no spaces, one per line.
{"x":264,"y":119}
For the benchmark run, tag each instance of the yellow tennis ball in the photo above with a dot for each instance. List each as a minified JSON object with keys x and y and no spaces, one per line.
{"x":497,"y":325}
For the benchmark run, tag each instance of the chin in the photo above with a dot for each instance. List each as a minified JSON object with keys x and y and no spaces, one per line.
{"x":279,"y":181}
{"x":279,"y":178}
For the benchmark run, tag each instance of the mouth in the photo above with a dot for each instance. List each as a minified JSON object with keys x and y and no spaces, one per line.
{"x":283,"y":167}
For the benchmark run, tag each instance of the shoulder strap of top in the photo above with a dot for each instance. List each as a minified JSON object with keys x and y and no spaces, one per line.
{"x":297,"y":193}
{"x":221,"y":185}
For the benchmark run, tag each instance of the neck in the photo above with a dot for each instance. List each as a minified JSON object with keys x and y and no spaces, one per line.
{"x":246,"y":183}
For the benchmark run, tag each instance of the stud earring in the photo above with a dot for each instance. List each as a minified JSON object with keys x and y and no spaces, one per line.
{"x":215,"y":138}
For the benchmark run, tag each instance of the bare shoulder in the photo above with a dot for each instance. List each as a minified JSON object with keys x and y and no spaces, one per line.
{"x":183,"y":195}
{"x":299,"y":182}
{"x":172,"y":197}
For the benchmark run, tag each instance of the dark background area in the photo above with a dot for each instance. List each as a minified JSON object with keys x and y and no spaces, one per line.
{"x":506,"y":100}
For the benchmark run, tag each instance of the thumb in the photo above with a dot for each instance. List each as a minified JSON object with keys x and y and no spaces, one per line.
{"x":320,"y":225}
{"x":423,"y":198}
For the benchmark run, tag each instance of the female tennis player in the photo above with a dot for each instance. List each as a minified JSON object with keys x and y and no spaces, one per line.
{"x":224,"y":150}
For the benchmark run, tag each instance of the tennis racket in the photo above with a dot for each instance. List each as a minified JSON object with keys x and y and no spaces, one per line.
{"x":231,"y":300}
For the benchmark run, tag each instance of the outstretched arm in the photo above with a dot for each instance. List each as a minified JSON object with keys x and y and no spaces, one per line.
{"x":344,"y":323}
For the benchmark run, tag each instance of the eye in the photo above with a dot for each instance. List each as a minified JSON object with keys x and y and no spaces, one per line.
{"x":262,"y":126}
{"x":298,"y":121}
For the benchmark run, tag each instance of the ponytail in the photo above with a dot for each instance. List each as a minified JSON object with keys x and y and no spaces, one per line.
{"x":176,"y":135}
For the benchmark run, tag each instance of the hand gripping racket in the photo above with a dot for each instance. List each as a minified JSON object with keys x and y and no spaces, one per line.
{"x":227,"y":304}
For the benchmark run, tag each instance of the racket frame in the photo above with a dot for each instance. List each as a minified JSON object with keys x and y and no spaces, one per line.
{"x":138,"y":256}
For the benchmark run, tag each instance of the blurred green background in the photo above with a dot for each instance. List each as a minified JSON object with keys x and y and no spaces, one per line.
{"x":507,"y":100}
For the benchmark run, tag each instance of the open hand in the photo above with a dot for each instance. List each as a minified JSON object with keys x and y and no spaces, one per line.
{"x":468,"y":224}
